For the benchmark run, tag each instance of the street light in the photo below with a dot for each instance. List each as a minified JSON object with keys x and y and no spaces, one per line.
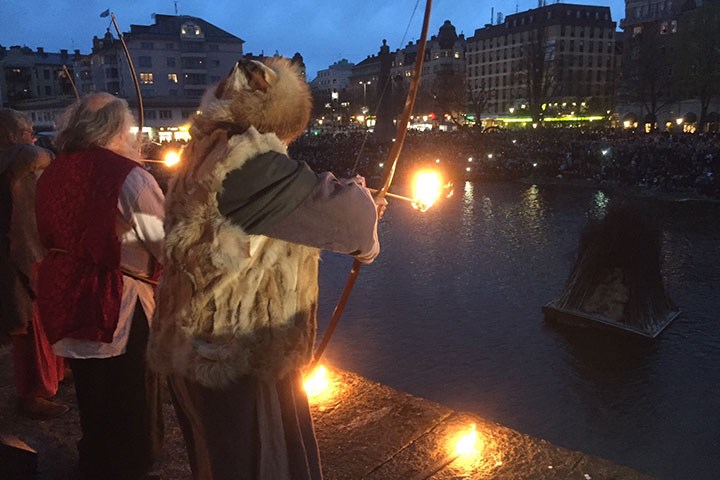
{"x":365,"y":84}
{"x":334,"y":98}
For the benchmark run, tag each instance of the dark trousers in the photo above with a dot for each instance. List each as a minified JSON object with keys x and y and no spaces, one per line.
{"x":249,"y":430}
{"x":120,"y":410}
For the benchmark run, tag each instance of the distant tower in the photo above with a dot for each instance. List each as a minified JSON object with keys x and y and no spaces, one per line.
{"x":499,"y":18}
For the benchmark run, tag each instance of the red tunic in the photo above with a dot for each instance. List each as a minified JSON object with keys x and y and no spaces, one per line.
{"x":79,"y":285}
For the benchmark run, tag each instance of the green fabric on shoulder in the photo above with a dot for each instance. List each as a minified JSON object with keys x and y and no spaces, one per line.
{"x":265,"y":190}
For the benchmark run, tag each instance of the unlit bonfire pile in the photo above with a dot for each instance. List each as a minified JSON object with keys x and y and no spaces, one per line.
{"x":616,"y":280}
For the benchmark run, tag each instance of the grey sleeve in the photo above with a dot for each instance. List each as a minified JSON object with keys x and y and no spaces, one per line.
{"x":339,"y":215}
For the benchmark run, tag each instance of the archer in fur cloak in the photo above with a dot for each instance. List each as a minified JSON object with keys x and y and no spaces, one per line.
{"x":236,"y":316}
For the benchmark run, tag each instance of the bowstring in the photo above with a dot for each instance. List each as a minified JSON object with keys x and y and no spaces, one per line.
{"x":383,"y":91}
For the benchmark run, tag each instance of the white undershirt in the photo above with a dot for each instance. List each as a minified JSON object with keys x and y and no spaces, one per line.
{"x":140,"y":230}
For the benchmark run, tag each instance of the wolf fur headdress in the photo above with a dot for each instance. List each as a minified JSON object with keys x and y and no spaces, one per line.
{"x":271,"y":96}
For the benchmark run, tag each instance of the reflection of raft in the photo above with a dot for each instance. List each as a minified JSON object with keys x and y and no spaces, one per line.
{"x":616,"y":280}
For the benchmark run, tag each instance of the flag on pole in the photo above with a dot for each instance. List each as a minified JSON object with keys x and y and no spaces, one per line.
{"x":105,"y":13}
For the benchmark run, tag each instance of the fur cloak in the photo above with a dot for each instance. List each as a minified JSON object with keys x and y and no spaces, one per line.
{"x":230,"y":303}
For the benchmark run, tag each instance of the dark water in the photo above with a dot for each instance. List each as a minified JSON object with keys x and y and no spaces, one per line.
{"x":451,"y":311}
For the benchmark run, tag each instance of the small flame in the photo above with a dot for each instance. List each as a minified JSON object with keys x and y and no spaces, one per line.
{"x":171,"y":158}
{"x":467,"y":444}
{"x":426,"y":190}
{"x":317,"y":382}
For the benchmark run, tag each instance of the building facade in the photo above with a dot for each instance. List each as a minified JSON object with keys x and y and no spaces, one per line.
{"x":176,"y":59}
{"x":333,"y":80}
{"x":374,"y":89}
{"x":442,"y":84}
{"x":553,"y":61}
{"x":364,"y":83}
{"x":331,"y":93}
{"x":646,"y":88}
{"x":35,"y":82}
{"x":671,"y":66}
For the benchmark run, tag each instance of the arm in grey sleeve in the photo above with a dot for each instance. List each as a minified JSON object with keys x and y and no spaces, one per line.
{"x":339,"y":215}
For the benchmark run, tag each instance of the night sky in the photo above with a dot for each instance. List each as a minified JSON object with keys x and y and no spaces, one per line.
{"x":323,"y":31}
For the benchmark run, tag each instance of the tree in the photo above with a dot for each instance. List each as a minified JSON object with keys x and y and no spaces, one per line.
{"x":646,"y":73}
{"x":697,"y":66}
{"x":448,"y":93}
{"x":537,"y":70}
{"x":477,"y":100}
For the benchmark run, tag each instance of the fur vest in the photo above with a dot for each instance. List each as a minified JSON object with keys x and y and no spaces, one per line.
{"x":230,"y":304}
{"x":25,"y":163}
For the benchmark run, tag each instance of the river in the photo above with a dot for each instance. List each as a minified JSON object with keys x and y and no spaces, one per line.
{"x":451,"y":311}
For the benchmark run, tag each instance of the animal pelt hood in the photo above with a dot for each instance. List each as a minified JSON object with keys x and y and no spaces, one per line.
{"x":271,"y":96}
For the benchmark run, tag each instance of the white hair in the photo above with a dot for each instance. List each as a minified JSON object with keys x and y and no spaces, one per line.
{"x":93,"y":121}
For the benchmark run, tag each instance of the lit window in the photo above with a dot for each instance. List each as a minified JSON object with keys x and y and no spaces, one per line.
{"x":172,"y":77}
{"x":190,"y":29}
{"x":146,"y":78}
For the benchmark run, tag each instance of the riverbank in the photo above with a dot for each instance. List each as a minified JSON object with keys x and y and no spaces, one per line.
{"x":366,"y":430}
{"x":641,"y":192}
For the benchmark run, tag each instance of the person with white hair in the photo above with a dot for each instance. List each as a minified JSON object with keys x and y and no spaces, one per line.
{"x":100,"y":215}
{"x":37,"y":370}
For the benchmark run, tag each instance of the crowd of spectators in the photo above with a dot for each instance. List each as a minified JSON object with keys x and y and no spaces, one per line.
{"x":686,"y":164}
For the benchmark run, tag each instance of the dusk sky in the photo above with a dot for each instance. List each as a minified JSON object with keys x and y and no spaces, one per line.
{"x":323,"y":31}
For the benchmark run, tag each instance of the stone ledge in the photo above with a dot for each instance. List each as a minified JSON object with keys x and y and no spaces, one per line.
{"x":366,"y":430}
{"x":369,"y":431}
